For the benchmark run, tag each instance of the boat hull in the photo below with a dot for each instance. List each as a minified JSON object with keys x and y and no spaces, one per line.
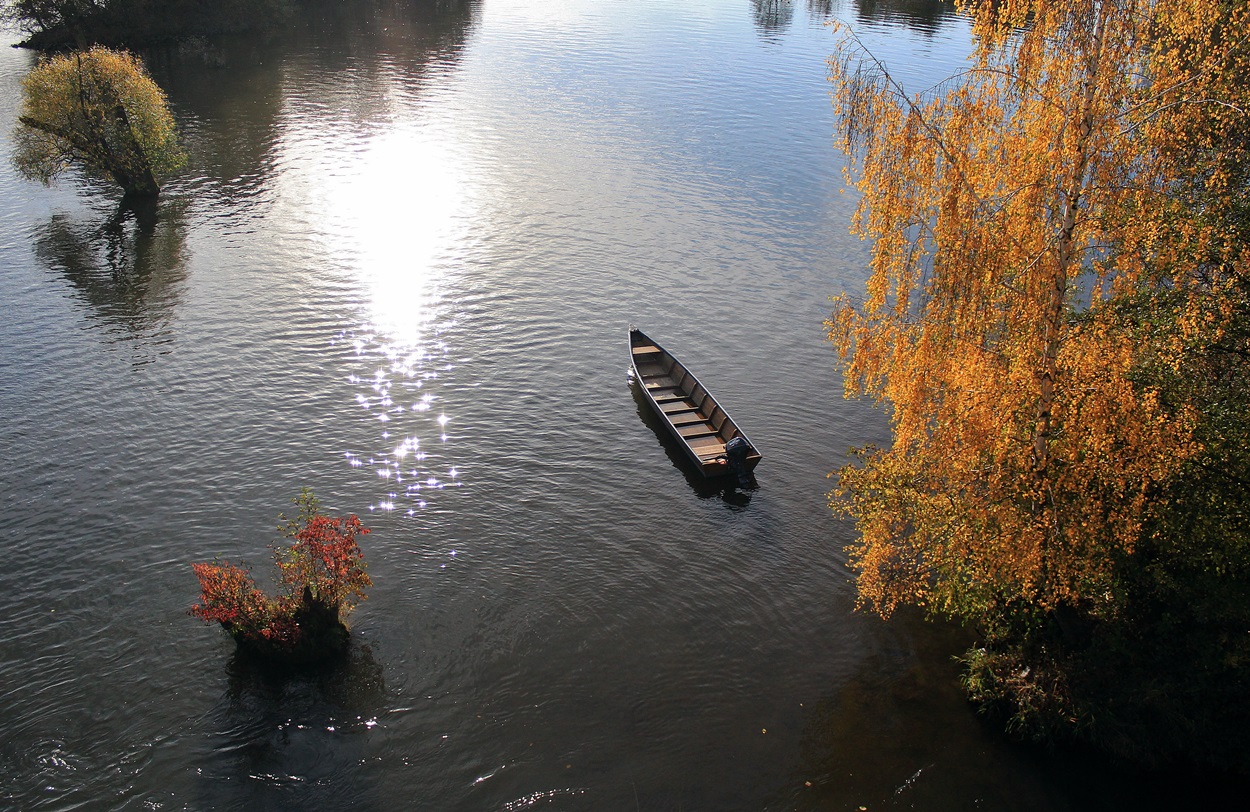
{"x":695,"y":419}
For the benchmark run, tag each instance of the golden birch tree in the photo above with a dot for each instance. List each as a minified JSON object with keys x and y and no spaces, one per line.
{"x":1008,"y":209}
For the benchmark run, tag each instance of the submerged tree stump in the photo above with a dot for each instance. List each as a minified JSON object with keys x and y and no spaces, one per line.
{"x":322,"y":635}
{"x":322,"y":575}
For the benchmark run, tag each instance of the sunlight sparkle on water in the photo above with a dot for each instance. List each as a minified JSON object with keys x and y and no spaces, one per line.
{"x":401,"y":462}
{"x":393,"y":206}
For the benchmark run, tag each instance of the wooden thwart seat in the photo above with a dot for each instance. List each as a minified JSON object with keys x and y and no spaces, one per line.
{"x":709,"y":452}
{"x":693,"y":417}
{"x":706,"y":443}
{"x":674,"y":407}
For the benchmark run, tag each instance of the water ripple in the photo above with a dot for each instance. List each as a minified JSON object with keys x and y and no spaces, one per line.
{"x":399,"y":270}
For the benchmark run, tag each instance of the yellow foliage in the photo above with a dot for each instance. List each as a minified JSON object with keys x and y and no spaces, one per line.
{"x":1005,"y":209}
{"x":100,"y":110}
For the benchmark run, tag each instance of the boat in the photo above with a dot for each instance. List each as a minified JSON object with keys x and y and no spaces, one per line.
{"x":702,"y":427}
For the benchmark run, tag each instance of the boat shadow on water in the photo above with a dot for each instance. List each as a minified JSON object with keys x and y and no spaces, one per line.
{"x":724,"y":487}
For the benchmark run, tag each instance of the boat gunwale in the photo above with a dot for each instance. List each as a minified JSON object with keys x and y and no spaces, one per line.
{"x":709,"y":468}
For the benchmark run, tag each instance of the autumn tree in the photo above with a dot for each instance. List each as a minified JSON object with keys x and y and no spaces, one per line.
{"x":1015,"y":212}
{"x":1186,"y":588}
{"x":101,"y":111}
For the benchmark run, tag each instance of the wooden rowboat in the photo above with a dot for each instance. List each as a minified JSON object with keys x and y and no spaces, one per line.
{"x":701,"y":425}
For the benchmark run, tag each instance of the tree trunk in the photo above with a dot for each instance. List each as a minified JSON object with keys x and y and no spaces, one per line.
{"x":1067,"y":255}
{"x":131,"y":171}
{"x":140,"y":180}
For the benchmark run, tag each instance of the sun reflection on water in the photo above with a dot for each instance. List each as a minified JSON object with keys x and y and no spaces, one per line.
{"x":392,"y":210}
{"x":396,"y":210}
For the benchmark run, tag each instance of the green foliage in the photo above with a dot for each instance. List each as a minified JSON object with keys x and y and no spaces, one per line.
{"x":52,"y":24}
{"x":1031,"y":694}
{"x":101,"y":111}
{"x":1167,"y":675}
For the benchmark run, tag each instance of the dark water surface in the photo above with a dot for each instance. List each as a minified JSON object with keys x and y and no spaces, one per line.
{"x":399,"y":269}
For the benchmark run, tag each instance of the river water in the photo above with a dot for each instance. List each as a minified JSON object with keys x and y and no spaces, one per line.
{"x":399,"y":269}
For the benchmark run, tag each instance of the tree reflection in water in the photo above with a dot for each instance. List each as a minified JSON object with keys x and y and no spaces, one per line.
{"x":294,"y":738}
{"x":129,"y":268}
{"x":772,"y":17}
{"x":924,"y":16}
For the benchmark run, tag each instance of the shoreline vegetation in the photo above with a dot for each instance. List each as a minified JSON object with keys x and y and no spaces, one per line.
{"x":58,"y":25}
{"x":1058,"y":321}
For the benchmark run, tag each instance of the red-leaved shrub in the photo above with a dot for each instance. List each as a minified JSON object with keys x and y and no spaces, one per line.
{"x":322,"y":577}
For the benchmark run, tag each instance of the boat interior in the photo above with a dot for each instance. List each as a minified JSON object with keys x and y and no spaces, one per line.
{"x":696,"y":415}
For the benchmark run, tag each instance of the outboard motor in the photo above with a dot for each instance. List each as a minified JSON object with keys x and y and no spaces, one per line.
{"x":736,"y":451}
